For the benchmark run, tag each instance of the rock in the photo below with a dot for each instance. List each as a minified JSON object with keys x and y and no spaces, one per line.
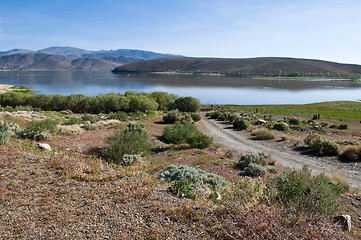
{"x":261,"y":121}
{"x":42,"y":136}
{"x":345,"y":221}
{"x":44,"y":146}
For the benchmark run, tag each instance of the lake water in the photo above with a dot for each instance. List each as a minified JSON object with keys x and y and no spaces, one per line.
{"x":208,"y":89}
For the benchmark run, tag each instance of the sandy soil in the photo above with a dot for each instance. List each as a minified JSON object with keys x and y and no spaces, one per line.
{"x":5,"y":88}
{"x":224,"y":134}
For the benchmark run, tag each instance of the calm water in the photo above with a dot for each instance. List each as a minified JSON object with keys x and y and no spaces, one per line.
{"x":208,"y":89}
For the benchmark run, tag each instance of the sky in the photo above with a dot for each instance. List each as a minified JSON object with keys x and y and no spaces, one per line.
{"x":314,"y":29}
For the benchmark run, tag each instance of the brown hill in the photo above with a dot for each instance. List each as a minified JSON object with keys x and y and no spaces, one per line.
{"x":57,"y":62}
{"x":247,"y":66}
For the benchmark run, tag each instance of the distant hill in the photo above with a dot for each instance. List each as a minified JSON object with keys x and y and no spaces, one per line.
{"x":57,"y":62}
{"x":15,"y":51}
{"x":78,"y":52}
{"x":266,"y":66}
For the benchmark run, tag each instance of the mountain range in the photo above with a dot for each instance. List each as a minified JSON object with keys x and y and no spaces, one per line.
{"x":69,"y":58}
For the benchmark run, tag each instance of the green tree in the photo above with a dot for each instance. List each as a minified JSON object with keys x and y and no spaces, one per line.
{"x":186,"y":104}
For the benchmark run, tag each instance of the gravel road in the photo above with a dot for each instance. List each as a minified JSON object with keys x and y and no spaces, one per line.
{"x":224,"y":134}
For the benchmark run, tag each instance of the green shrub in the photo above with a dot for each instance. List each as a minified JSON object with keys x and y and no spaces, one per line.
{"x":240,"y":123}
{"x":213,"y":115}
{"x":197,"y":178}
{"x":333,"y":126}
{"x":294,"y":121}
{"x":196,"y":117}
{"x":343,"y":126}
{"x":121,"y":116}
{"x":263,"y":134}
{"x":172,"y":117}
{"x":351,"y":154}
{"x":129,"y":159}
{"x":73,"y":120}
{"x":350,"y":142}
{"x":255,"y":170}
{"x":4,"y":134}
{"x":319,"y":145}
{"x":330,"y":148}
{"x":179,"y":133}
{"x":142,"y":103}
{"x":182,"y":188}
{"x":324,"y":124}
{"x":280,"y":127}
{"x":163,"y":99}
{"x":88,"y":118}
{"x":130,"y":140}
{"x":38,"y":129}
{"x":258,"y":158}
{"x":186,"y":104}
{"x":199,"y":140}
{"x":302,"y":192}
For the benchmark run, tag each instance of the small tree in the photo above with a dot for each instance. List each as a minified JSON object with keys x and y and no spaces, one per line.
{"x":186,"y":104}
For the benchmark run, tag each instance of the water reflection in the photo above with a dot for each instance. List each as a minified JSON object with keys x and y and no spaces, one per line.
{"x":209,"y":89}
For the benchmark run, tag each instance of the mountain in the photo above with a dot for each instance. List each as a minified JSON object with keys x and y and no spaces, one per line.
{"x":264,"y":66}
{"x":15,"y":51}
{"x":78,"y":52}
{"x":57,"y":62}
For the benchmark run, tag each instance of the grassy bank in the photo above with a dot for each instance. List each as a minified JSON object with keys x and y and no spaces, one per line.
{"x":340,"y":110}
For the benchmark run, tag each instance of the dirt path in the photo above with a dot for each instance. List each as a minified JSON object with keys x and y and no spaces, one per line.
{"x":223,"y":133}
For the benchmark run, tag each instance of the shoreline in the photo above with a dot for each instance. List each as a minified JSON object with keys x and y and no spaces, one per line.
{"x":6,"y":88}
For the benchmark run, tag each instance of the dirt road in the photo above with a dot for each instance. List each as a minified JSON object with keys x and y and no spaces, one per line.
{"x":223,"y":133}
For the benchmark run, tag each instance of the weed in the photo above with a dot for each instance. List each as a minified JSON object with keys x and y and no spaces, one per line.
{"x":263,"y":134}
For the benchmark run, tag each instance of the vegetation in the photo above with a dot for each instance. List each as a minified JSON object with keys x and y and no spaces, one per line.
{"x":281,"y":127}
{"x":257,"y":158}
{"x":4,"y":134}
{"x":351,"y":154}
{"x":197,"y":178}
{"x":240,"y":123}
{"x":130,"y":140}
{"x":255,"y":170}
{"x":79,"y":103}
{"x":319,"y":145}
{"x":186,"y":104}
{"x":263,"y":134}
{"x":186,"y":132}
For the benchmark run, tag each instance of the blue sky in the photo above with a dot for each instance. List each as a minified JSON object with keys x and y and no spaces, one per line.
{"x":318,"y":29}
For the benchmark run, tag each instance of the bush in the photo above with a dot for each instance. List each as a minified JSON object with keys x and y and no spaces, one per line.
{"x":186,"y":104}
{"x":294,"y":121}
{"x":350,"y":142}
{"x":163,"y":99}
{"x":263,"y":134}
{"x":39,"y":129}
{"x":172,"y":117}
{"x":4,"y":134}
{"x":88,"y":118}
{"x":182,"y":188}
{"x":330,"y":148}
{"x":333,"y":126}
{"x":280,"y":127}
{"x":197,"y":178}
{"x":199,"y":140}
{"x":351,"y":154}
{"x":343,"y":126}
{"x":121,"y":116}
{"x":131,"y":140}
{"x":319,"y":145}
{"x":255,"y":170}
{"x":142,"y":103}
{"x":129,"y":159}
{"x":73,"y":120}
{"x":195,"y":117}
{"x":301,"y":192}
{"x":258,"y":158}
{"x":179,"y":133}
{"x":240,"y":123}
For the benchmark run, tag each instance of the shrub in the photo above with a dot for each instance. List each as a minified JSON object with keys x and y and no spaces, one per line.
{"x":172,"y":117}
{"x":255,"y":170}
{"x":163,"y":99}
{"x":352,"y":154}
{"x":324,"y":124}
{"x":121,"y":116}
{"x":182,"y":188}
{"x":73,"y":120}
{"x":240,"y":123}
{"x":343,"y":126}
{"x":199,"y":140}
{"x":258,"y":158}
{"x":4,"y":134}
{"x":264,"y":134}
{"x":319,"y":145}
{"x":88,"y":118}
{"x":131,"y":140}
{"x":280,"y":127}
{"x":330,"y":148}
{"x":294,"y":121}
{"x":301,"y":192}
{"x":142,"y":103}
{"x":196,"y":178}
{"x":350,"y":142}
{"x":213,"y":115}
{"x":179,"y":133}
{"x":186,"y":104}
{"x":35,"y":129}
{"x":196,"y":117}
{"x":333,"y":126}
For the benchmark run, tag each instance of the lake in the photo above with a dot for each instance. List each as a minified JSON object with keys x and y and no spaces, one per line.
{"x":208,"y":89}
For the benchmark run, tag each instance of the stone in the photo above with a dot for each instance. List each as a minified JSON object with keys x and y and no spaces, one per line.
{"x":44,"y":146}
{"x":345,"y":221}
{"x":261,"y":121}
